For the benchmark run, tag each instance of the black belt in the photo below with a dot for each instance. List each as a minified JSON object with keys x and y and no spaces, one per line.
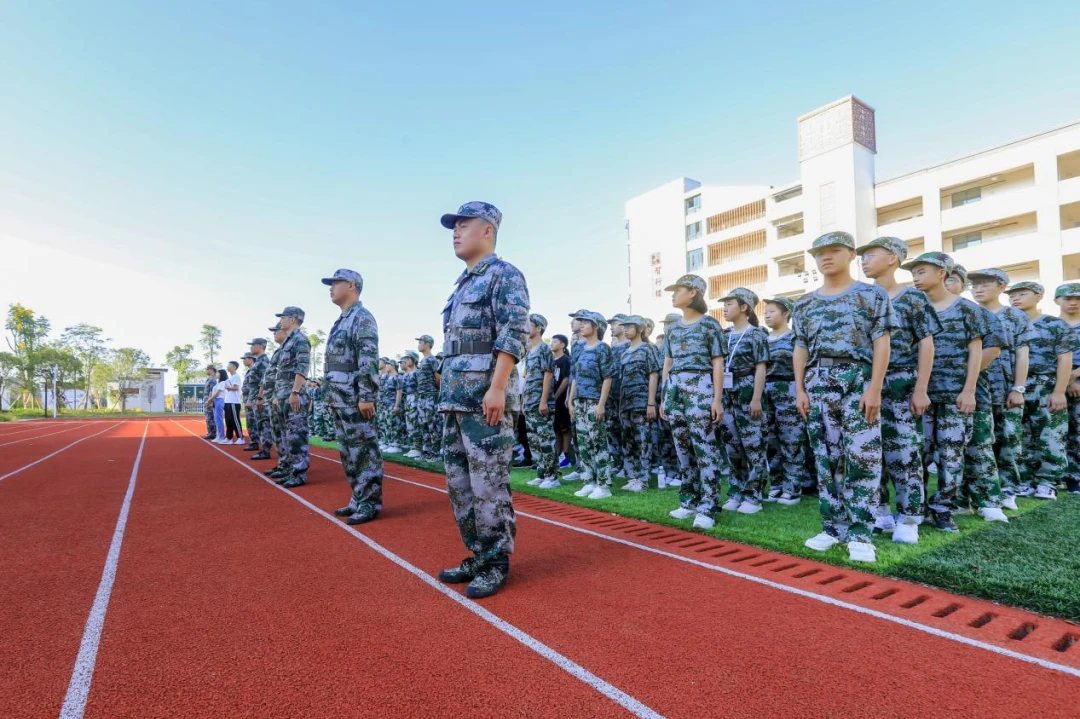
{"x":781,"y":379}
{"x":342,"y":367}
{"x":837,"y":361}
{"x":455,"y":348}
{"x":743,"y":373}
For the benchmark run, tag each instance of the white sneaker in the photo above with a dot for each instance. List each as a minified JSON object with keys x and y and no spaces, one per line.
{"x":1009,"y":502}
{"x":1045,"y":491}
{"x":674,"y":482}
{"x":600,"y":493}
{"x":861,"y":552}
{"x":822,"y":542}
{"x":906,"y":533}
{"x":932,"y":468}
{"x":586,"y":490}
{"x":240,"y":441}
{"x":573,"y":476}
{"x":393,"y":449}
{"x":551,"y":483}
{"x":993,"y":514}
{"x":413,"y":453}
{"x":773,"y":495}
{"x":537,"y":481}
{"x":885,"y":523}
{"x":748,"y":507}
{"x":220,"y":440}
{"x":1025,"y":491}
{"x":704,"y":521}
{"x":681,"y":513}
{"x":788,"y":500}
{"x":731,"y":505}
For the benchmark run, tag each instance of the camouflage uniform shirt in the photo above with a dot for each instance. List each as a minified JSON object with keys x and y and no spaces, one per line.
{"x":539,"y":360}
{"x":596,"y":364}
{"x":408,"y":384}
{"x":294,"y":358}
{"x":1051,"y":336}
{"x":270,"y":377}
{"x":388,"y":387}
{"x":747,"y":349}
{"x":693,"y":346}
{"x":961,"y":324}
{"x":781,"y":348}
{"x":914,"y":319}
{"x":1016,"y":331}
{"x":839,"y":325}
{"x":353,"y":342}
{"x":425,"y":377}
{"x":635,"y":366}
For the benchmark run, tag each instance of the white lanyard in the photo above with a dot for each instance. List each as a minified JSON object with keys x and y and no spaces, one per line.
{"x":731,"y":357}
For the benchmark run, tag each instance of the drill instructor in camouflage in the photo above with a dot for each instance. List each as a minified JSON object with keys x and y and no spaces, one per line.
{"x":427,"y":400}
{"x":842,"y":336}
{"x":266,"y":401}
{"x":294,"y":362}
{"x":539,"y":404}
{"x":639,"y":369}
{"x":259,"y":419}
{"x":350,"y":391}
{"x":208,"y":412}
{"x":248,"y":394}
{"x":484,"y":331}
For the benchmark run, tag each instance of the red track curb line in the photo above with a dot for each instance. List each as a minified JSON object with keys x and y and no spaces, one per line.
{"x":53,"y":454}
{"x":985,"y":625}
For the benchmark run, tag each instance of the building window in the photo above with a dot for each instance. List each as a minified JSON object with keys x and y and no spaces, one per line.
{"x":752,"y":243}
{"x":738,"y":216}
{"x":969,"y":239}
{"x":693,"y":231}
{"x":693,"y":204}
{"x":966,"y":197}
{"x":791,"y":265}
{"x":694,"y":260}
{"x":827,"y":206}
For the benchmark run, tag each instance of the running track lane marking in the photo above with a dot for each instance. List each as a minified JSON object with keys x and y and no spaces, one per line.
{"x":69,"y":446}
{"x":39,"y":436}
{"x":79,"y":688}
{"x":782,"y":587}
{"x":632,"y":705}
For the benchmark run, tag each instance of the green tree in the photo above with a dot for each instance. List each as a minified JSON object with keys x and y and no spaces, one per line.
{"x":10,"y":369}
{"x":317,"y":339}
{"x":56,"y":367}
{"x":181,"y":361}
{"x":210,"y":341}
{"x":86,"y":343}
{"x":27,"y":334}
{"x":127,"y":368}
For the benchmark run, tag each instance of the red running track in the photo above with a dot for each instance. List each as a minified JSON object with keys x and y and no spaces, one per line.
{"x":232,"y":598}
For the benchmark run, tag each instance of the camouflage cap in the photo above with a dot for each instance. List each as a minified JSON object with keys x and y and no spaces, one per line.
{"x":891,"y":244}
{"x":247,"y":355}
{"x":1069,"y":289}
{"x":784,"y":302}
{"x":833,"y":239}
{"x":597,"y":319}
{"x":258,"y":341}
{"x":743,"y":295}
{"x":937,"y":259}
{"x":344,"y":275}
{"x":211,"y":367}
{"x":993,"y":273}
{"x":539,"y":320}
{"x":426,"y":338}
{"x":618,"y":317}
{"x":579,"y":315}
{"x":961,"y":272}
{"x":386,"y":360}
{"x":411,"y":353}
{"x":671,"y":317}
{"x":275,"y":328}
{"x":636,"y":320}
{"x":692,"y":282}
{"x":483,"y":210}
{"x":295,"y":312}
{"x":1033,"y":286}
{"x":649,"y":324}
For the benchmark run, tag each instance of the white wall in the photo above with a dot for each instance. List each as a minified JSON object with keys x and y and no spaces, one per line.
{"x":657,"y":222}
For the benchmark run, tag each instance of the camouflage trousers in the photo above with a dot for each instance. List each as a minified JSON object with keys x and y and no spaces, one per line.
{"x":593,"y":447}
{"x":358,"y":445}
{"x":414,"y":435}
{"x":746,"y":441}
{"x":703,"y":463}
{"x":251,"y":421}
{"x":982,"y":488}
{"x":663,"y":448}
{"x":264,"y":426}
{"x":321,"y":424}
{"x":635,"y":427}
{"x":786,"y":438}
{"x":1072,"y":438}
{"x":427,"y":420}
{"x":847,"y":450}
{"x":1044,"y":438}
{"x":293,"y":448}
{"x":1008,"y":445}
{"x":211,"y":425}
{"x":947,"y":433}
{"x":902,"y":445}
{"x":613,"y":420}
{"x":277,"y":428}
{"x":477,"y":459}
{"x":541,"y":433}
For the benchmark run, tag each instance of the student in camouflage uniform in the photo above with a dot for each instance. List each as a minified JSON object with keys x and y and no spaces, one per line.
{"x":1008,"y":375}
{"x":577,"y":344}
{"x":787,"y":441}
{"x":745,"y":428}
{"x":539,"y":405}
{"x":319,"y":422}
{"x":387,"y":420}
{"x":414,"y":435}
{"x":904,"y":398}
{"x":1067,"y":297}
{"x":949,"y":423}
{"x":484,"y":324}
{"x":589,"y":393}
{"x":1046,"y":420}
{"x":694,"y":351}
{"x":612,"y":412}
{"x":294,"y":361}
{"x":247,"y":395}
{"x":982,"y":488}
{"x":840,"y":359}
{"x":266,"y":397}
{"x":427,"y":400}
{"x":670,"y":474}
{"x":208,"y":412}
{"x":259,"y":419}
{"x":638,"y":371}
{"x":350,"y":392}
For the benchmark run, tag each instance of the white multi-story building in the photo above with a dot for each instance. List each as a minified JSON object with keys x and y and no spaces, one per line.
{"x":1016,"y":207}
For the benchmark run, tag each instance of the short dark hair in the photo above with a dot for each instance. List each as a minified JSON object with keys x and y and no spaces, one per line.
{"x":234,"y":363}
{"x":222,"y":375}
{"x":562,"y":338}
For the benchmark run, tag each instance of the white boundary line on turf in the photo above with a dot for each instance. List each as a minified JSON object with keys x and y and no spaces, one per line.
{"x":40,"y":436}
{"x":1044,"y":663}
{"x":79,"y":687}
{"x":626,"y":701}
{"x":67,"y":446}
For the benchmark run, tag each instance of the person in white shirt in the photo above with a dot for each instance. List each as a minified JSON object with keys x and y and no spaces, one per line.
{"x":233,"y":433}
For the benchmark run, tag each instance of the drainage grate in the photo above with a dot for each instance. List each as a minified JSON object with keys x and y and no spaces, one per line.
{"x":982,"y":621}
{"x":830,"y":580}
{"x":886,"y":594}
{"x":947,"y":610}
{"x":763,"y":563}
{"x":1066,"y":641}
{"x":785,"y":567}
{"x":743,"y":559}
{"x":1022,"y":631}
{"x":912,"y":603}
{"x":856,"y":587}
{"x":727,"y":552}
{"x":807,"y":573}
{"x":710,"y":548}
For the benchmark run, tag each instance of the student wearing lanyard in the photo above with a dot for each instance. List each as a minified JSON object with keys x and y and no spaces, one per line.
{"x":638,"y":369}
{"x":786,"y":430}
{"x":589,"y":392}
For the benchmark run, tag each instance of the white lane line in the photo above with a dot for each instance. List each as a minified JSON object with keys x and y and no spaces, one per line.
{"x":65,"y":447}
{"x":39,"y":436}
{"x":782,"y":587}
{"x":79,"y":687}
{"x":632,"y":705}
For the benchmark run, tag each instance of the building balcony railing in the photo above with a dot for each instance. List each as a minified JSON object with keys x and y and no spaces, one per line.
{"x":999,"y":206}
{"x":1011,"y":250}
{"x":1069,"y":190}
{"x":907,"y":229}
{"x":1070,"y":241}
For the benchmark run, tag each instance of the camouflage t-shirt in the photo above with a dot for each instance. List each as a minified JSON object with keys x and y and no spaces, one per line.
{"x":575,"y":354}
{"x":693,"y":346}
{"x":270,"y":378}
{"x":635,"y":366}
{"x":352,"y":358}
{"x":1051,"y":336}
{"x":616,"y":355}
{"x":595,"y":364}
{"x":1076,"y":354}
{"x":388,"y":387}
{"x":208,"y":388}
{"x":843,"y":325}
{"x":425,"y":377}
{"x":988,"y":391}
{"x":256,"y":374}
{"x":408,"y":383}
{"x":658,"y":355}
{"x":294,"y":358}
{"x":538,"y":361}
{"x":914,"y":319}
{"x":781,"y":348}
{"x":961,"y":324}
{"x":746,"y":350}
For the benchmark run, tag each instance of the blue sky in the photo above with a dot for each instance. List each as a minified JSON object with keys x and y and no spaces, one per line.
{"x":182,"y":163}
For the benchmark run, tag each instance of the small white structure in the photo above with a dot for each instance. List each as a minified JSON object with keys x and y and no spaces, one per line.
{"x":145,"y":395}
